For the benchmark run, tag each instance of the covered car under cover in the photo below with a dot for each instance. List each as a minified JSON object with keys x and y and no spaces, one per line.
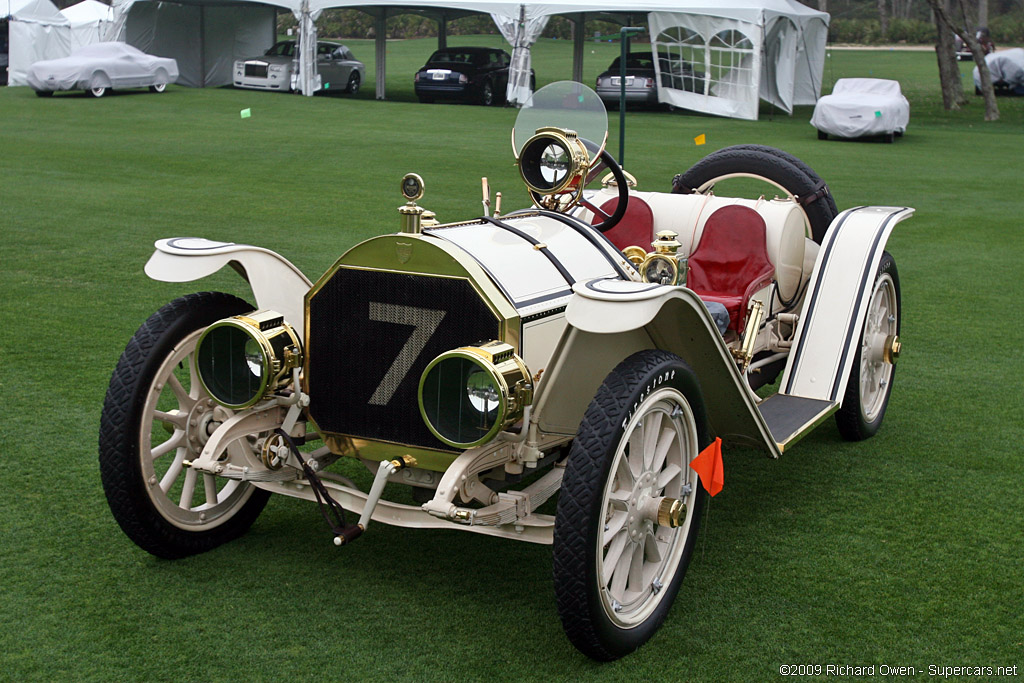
{"x":1007,"y":69}
{"x":110,"y":65}
{"x":860,"y":107}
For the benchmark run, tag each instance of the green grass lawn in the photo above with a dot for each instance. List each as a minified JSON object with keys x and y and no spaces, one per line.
{"x":901,"y":550}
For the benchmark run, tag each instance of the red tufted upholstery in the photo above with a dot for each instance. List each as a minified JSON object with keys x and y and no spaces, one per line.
{"x":731,"y":262}
{"x":636,"y":227}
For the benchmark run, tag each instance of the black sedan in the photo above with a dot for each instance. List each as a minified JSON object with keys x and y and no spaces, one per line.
{"x":641,"y":78}
{"x":476,"y":74}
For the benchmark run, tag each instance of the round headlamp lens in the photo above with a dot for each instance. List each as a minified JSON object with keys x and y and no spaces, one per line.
{"x":461,"y":401}
{"x":231,"y":365}
{"x":545,"y":163}
{"x":554,"y":164}
{"x":482,"y":391}
{"x":254,"y":357}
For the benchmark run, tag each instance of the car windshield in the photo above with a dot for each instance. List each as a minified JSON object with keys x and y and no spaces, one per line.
{"x":283,"y":49}
{"x":459,"y":57}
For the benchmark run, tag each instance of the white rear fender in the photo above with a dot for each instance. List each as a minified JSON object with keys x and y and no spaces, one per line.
{"x":828,"y":334}
{"x":275,"y":282}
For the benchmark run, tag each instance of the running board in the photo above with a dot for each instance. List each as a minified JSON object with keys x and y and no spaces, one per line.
{"x":790,"y":418}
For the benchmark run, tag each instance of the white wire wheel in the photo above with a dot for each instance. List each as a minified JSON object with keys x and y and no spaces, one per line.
{"x":156,"y":415}
{"x":619,"y":554}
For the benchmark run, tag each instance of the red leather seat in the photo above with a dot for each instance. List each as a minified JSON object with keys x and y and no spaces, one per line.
{"x":731,"y":263}
{"x":636,"y":226}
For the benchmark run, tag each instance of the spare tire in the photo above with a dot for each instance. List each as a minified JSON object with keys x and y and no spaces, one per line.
{"x":771,"y":165}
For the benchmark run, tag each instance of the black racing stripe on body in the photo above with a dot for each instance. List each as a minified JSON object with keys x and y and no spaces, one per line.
{"x":815,"y":292}
{"x":588,"y":232}
{"x":865,"y":282}
{"x":542,"y":248}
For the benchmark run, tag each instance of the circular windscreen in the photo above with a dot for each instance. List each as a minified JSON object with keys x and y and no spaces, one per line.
{"x":565,"y":104}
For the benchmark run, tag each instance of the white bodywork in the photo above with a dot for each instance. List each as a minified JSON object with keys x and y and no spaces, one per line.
{"x":275,"y":282}
{"x":109,"y":65}
{"x":862,"y":106}
{"x":833,"y":316}
{"x":581,"y":332}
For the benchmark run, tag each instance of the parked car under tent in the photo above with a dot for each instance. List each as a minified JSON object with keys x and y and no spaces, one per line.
{"x":751,"y":50}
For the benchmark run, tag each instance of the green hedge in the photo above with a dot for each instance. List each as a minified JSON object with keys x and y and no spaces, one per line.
{"x":1007,"y":29}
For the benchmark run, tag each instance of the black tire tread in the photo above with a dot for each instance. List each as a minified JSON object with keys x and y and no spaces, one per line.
{"x":118,"y":439}
{"x":775,"y":165}
{"x":580,"y":500}
{"x":796,"y":161}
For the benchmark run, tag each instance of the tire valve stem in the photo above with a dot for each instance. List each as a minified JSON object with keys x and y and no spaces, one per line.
{"x":616,"y":606}
{"x":656,"y":585}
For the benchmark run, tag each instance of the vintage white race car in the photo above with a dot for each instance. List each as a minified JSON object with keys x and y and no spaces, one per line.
{"x":494,"y":363}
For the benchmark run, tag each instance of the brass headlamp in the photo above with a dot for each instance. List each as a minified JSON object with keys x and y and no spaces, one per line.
{"x":468,"y":395}
{"x":243,"y":358}
{"x":554,"y":165}
{"x":663,"y":266}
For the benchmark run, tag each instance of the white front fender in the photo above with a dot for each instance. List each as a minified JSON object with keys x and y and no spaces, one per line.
{"x":275,"y":282}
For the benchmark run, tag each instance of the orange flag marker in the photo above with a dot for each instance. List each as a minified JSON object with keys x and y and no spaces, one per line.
{"x":709,"y":466}
{"x":700,"y":139}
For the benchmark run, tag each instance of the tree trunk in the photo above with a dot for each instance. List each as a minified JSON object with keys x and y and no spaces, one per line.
{"x":983,"y":13}
{"x":823,"y":5}
{"x":883,"y":19}
{"x":949,"y":71}
{"x":945,"y":24}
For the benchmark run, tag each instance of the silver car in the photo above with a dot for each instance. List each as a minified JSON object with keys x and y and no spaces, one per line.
{"x":278,"y":68}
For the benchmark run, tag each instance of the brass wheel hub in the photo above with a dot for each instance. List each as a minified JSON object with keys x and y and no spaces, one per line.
{"x":201,"y":424}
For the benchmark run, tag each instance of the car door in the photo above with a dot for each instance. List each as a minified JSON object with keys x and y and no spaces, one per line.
{"x":327,"y":67}
{"x":501,"y":78}
{"x":344,"y":63}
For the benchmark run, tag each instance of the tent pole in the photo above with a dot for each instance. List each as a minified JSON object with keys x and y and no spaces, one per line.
{"x":380,"y":48}
{"x":442,"y":31}
{"x":579,"y":23}
{"x":624,"y":39}
{"x":202,"y":46}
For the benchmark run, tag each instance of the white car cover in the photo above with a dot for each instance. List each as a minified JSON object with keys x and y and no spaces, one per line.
{"x":1006,"y":66}
{"x":862,"y":106}
{"x":113,"y":65}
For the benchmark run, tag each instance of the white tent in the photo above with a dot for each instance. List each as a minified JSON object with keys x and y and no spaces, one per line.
{"x":89,"y":22}
{"x":36,"y":31}
{"x":748,"y":50}
{"x":204,"y":37}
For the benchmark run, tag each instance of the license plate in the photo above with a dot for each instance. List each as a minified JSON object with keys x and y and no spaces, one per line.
{"x":439,"y":75}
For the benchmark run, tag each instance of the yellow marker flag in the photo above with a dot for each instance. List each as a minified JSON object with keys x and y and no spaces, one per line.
{"x":700,"y":139}
{"x":246,"y":113}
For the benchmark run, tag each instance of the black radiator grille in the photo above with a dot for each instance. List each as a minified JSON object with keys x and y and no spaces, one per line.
{"x":256,"y":70}
{"x":371,"y":334}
